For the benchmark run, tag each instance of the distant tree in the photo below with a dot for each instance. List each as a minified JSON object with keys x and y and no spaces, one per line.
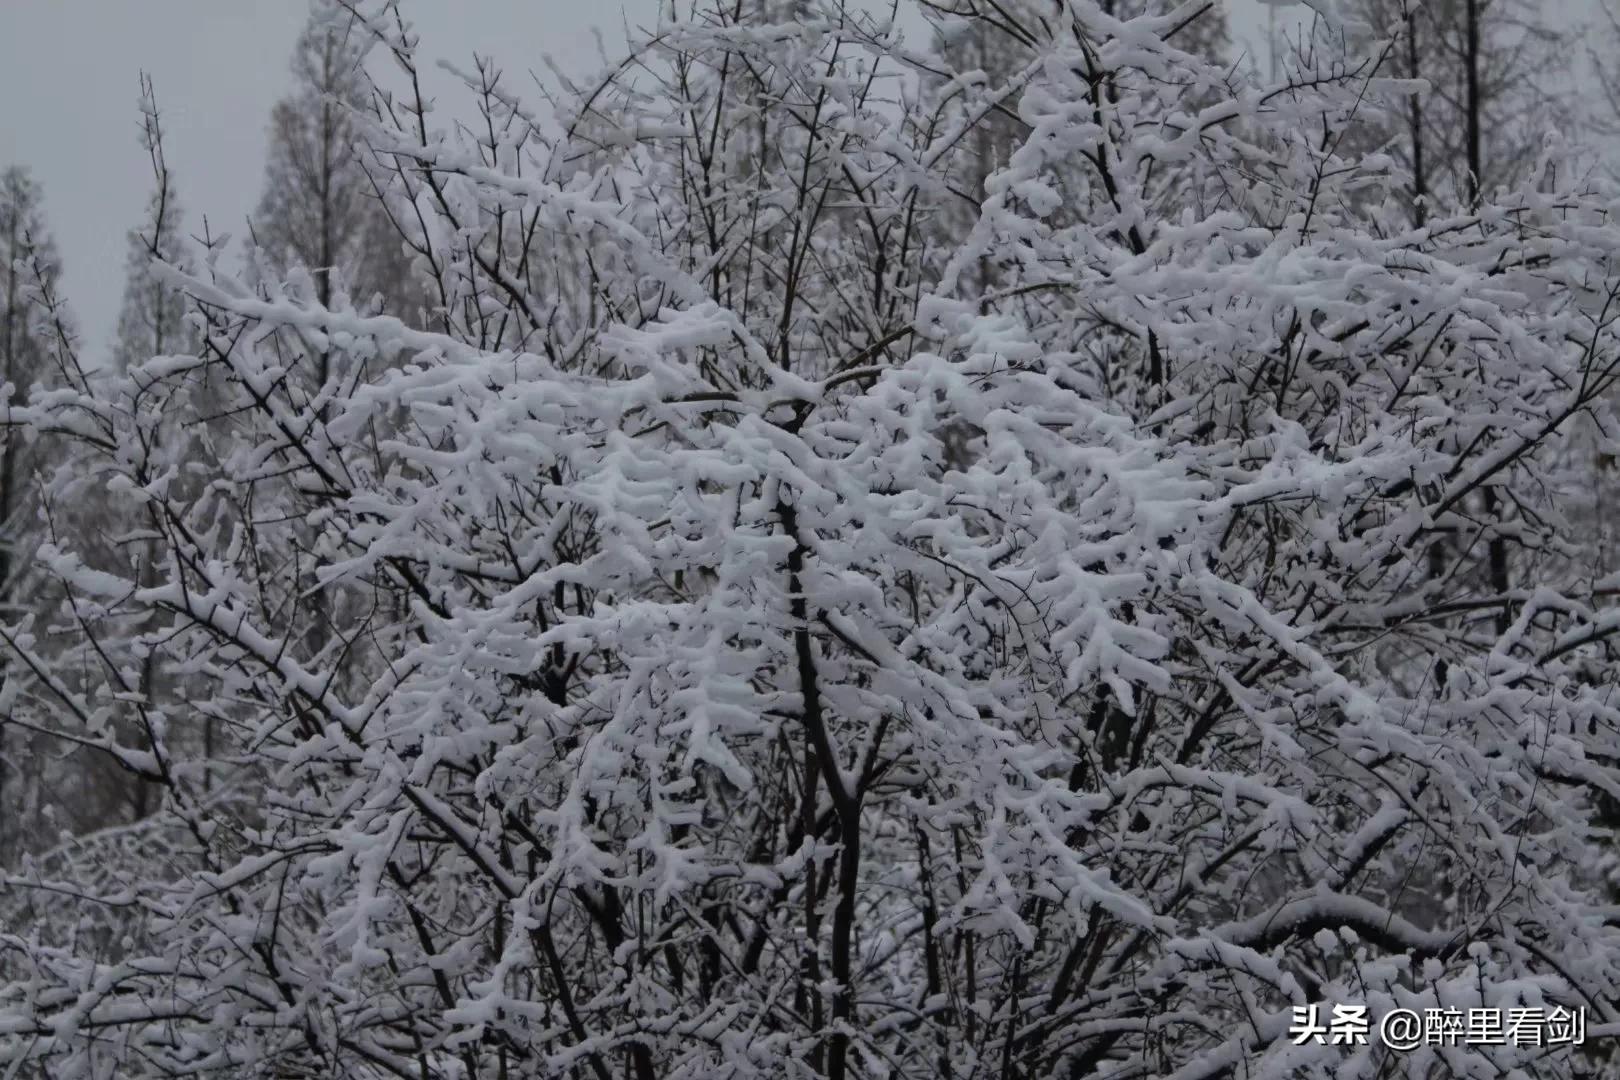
{"x":321,"y":208}
{"x":1497,"y":82}
{"x":28,"y":265}
{"x":323,"y":213}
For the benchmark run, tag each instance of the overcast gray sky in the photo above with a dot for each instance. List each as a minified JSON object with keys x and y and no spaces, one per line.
{"x":69,"y":81}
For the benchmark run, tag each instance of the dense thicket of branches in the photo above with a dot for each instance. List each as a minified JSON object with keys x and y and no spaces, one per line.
{"x":767,"y":621}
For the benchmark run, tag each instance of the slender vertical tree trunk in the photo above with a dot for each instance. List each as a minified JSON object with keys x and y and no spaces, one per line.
{"x":1472,"y":118}
{"x":148,"y":568}
{"x":1497,"y":547}
{"x":1420,"y":178}
{"x":7,"y":819}
{"x":1420,"y":213}
{"x":320,"y":607}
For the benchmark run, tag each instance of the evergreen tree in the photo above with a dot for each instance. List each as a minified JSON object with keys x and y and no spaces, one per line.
{"x":323,"y":214}
{"x":26,"y":251}
{"x":321,"y":208}
{"x":29,"y":265}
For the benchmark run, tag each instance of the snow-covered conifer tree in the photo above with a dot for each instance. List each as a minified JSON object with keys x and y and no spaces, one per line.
{"x":29,"y":269}
{"x":321,"y":208}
